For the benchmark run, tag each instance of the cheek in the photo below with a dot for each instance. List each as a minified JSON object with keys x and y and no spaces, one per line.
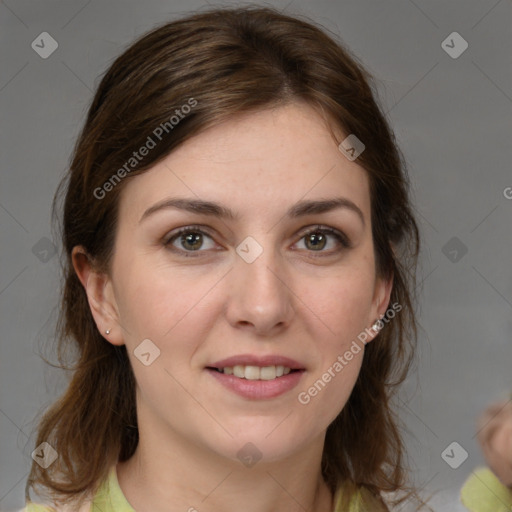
{"x":169,"y":307}
{"x":340,"y":303}
{"x":326,"y":392}
{"x":341,"y":306}
{"x":153,"y":299}
{"x":161,"y":306}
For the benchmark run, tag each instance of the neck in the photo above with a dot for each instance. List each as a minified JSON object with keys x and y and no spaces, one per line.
{"x":179,"y":475}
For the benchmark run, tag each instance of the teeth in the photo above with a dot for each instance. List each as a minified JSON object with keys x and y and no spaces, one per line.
{"x":268,"y":373}
{"x":239,"y":371}
{"x":255,"y":372}
{"x":252,"y":373}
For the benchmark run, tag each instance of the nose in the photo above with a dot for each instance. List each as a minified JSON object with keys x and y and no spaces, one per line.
{"x":261,"y":297}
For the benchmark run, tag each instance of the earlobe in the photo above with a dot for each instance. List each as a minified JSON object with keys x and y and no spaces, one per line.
{"x":381,"y":301}
{"x":98,"y":287}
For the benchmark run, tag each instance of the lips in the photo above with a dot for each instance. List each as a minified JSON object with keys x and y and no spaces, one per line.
{"x":257,"y":377}
{"x":260,"y":361}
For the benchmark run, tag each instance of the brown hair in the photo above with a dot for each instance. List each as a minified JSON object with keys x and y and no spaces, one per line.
{"x":228,"y":61}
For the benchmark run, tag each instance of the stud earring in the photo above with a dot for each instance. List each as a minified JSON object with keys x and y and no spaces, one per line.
{"x":107,"y":331}
{"x":376,"y":327}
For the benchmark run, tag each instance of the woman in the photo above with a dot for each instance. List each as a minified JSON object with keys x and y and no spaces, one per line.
{"x":240,"y":257}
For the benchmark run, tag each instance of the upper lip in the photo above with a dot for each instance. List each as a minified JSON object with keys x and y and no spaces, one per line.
{"x":252,"y":360}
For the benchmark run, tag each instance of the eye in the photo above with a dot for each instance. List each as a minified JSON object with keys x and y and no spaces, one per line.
{"x":190,"y":239}
{"x":315,"y":240}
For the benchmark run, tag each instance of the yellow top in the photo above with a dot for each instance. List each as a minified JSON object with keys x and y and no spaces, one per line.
{"x":483,"y":492}
{"x":110,"y":498}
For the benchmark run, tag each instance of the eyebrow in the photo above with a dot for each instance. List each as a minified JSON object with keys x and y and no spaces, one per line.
{"x":300,"y":209}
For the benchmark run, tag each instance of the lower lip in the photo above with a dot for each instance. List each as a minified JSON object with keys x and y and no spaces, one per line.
{"x":258,"y":389}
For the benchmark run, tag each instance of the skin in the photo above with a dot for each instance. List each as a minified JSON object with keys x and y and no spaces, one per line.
{"x":495,"y":437}
{"x":198,"y":310}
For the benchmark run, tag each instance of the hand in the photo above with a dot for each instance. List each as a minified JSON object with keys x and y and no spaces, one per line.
{"x":495,"y":437}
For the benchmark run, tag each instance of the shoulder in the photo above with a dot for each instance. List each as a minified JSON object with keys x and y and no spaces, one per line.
{"x":108,"y":497}
{"x":483,"y":492}
{"x":38,"y":507}
{"x":351,"y":498}
{"x":77,"y":505}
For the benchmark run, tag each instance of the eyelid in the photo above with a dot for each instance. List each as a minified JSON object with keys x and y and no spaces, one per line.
{"x":340,"y":237}
{"x":175,"y":233}
{"x":343,"y":238}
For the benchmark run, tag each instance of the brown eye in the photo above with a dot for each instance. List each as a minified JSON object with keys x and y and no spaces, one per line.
{"x":191,"y":241}
{"x":188,"y":240}
{"x":317,"y":239}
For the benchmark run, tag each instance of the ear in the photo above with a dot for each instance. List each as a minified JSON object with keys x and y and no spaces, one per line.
{"x":381,"y":298}
{"x":100,"y":295}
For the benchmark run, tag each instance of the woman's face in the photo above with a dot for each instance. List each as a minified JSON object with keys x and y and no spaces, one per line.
{"x":249,"y":291}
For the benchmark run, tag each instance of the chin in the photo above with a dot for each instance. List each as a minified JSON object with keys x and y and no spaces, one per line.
{"x":253,"y":446}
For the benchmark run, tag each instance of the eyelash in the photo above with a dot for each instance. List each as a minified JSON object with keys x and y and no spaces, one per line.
{"x":338,"y":235}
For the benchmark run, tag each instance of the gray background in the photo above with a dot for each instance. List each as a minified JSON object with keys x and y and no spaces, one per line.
{"x":452,"y":118}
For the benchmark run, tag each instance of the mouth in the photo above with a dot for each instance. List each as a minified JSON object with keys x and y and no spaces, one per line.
{"x":256,"y":377}
{"x":251,"y":372}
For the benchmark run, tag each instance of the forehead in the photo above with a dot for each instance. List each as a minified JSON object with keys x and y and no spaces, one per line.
{"x":257,"y":163}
